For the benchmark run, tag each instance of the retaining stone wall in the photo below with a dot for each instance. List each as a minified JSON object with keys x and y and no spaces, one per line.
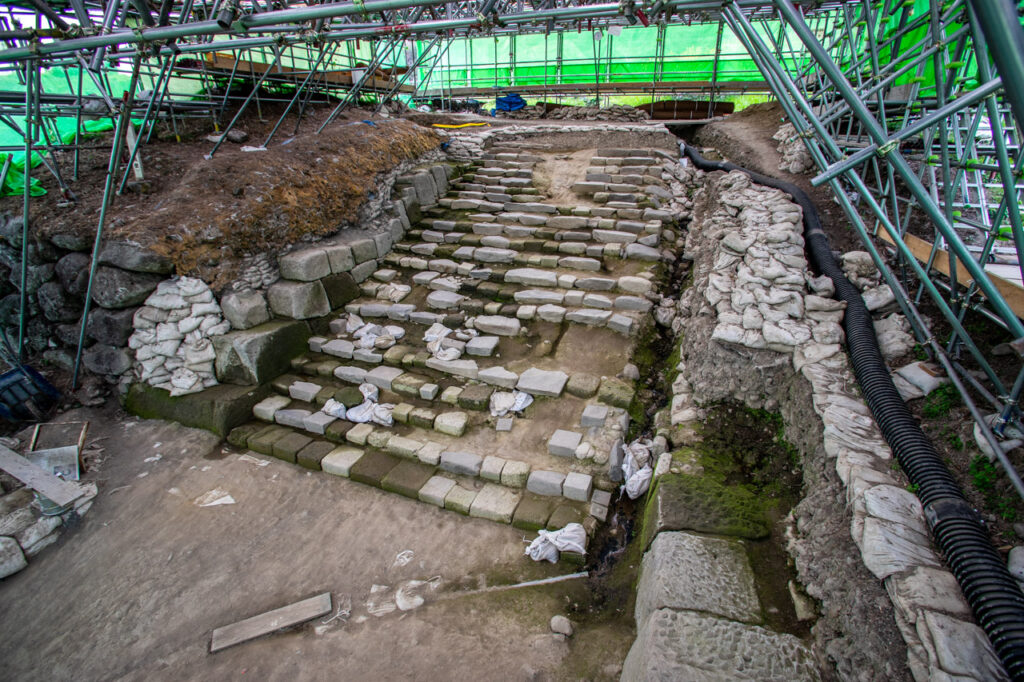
{"x":757,"y":329}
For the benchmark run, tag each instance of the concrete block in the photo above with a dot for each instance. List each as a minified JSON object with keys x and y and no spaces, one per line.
{"x":491,"y":468}
{"x":542,"y":482}
{"x":435,"y":490}
{"x":564,"y":443}
{"x":577,"y":486}
{"x":463,"y":463}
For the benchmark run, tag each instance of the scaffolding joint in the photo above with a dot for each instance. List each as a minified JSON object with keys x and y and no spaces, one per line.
{"x":888,"y":147}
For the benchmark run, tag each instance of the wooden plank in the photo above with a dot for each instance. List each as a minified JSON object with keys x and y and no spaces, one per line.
{"x":268,"y":622}
{"x":1012,"y":293}
{"x":59,"y":491}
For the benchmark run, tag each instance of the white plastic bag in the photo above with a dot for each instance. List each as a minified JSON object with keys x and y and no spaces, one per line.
{"x":549,"y":543}
{"x":637,"y":484}
{"x":370,"y":392}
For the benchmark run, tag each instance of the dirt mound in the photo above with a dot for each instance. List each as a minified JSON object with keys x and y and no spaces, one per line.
{"x":242,"y":203}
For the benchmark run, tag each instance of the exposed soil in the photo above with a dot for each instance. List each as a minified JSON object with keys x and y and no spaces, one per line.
{"x":136,"y":589}
{"x":207,"y":214}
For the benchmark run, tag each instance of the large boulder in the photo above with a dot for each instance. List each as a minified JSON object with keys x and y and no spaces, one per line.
{"x":56,"y":305}
{"x":107,"y":360}
{"x":257,"y":355}
{"x":110,"y":327}
{"x":129,"y":256}
{"x":117,"y":288}
{"x":73,"y":273}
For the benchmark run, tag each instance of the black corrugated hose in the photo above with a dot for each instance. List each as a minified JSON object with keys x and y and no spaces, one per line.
{"x":994,"y":595}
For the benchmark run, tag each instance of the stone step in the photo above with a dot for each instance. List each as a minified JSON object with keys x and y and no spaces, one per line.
{"x":557,"y":224}
{"x":476,"y":187}
{"x":491,"y":234}
{"x":487,"y":256}
{"x":435,"y":429}
{"x":485,"y":498}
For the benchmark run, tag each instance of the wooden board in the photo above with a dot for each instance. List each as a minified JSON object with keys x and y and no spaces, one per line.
{"x":59,"y":491}
{"x":268,"y":622}
{"x":1011,"y":290}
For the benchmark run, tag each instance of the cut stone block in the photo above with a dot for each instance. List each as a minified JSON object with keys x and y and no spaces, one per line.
{"x":498,"y":376}
{"x":459,"y":499}
{"x":463,"y":463}
{"x":475,"y":397}
{"x":451,"y":423}
{"x":313,"y":454}
{"x":494,"y":503}
{"x":382,"y":377}
{"x":407,"y":478}
{"x":317,"y":422}
{"x":359,"y":433}
{"x":429,"y":391}
{"x":403,"y":447}
{"x":304,"y":391}
{"x":298,"y":300}
{"x":293,"y":417}
{"x":542,"y":382}
{"x":515,"y":473}
{"x":257,"y":355}
{"x":245,"y":309}
{"x":462,"y":368}
{"x":491,"y":468}
{"x":435,"y":490}
{"x":497,"y":324}
{"x":533,"y":512}
{"x":682,"y":645}
{"x":430,"y":453}
{"x":482,"y":346}
{"x":288,"y":447}
{"x":304,"y":266}
{"x":697,"y":573}
{"x":422,"y":417}
{"x":265,"y":409}
{"x":372,"y":467}
{"x":353,"y":375}
{"x":339,"y":348}
{"x":542,"y":482}
{"x":564,"y":443}
{"x":594,"y":415}
{"x":577,"y":486}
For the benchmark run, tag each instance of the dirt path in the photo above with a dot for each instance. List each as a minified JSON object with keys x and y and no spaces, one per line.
{"x":135,"y":591}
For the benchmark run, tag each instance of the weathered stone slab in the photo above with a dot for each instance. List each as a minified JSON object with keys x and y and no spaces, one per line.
{"x":682,"y":645}
{"x":339,"y":461}
{"x":498,"y":376}
{"x":697,"y":573}
{"x":494,"y":503}
{"x":459,"y":499}
{"x":542,"y":382}
{"x":304,"y":266}
{"x":515,"y":473}
{"x":382,"y":377}
{"x":482,"y":346}
{"x":298,"y":300}
{"x":435,"y":489}
{"x":542,"y":482}
{"x":407,"y":478}
{"x":563,"y":443}
{"x":497,"y":324}
{"x":265,"y":409}
{"x":463,"y":463}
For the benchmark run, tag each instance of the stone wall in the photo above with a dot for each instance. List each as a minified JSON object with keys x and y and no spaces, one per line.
{"x":756,"y":328}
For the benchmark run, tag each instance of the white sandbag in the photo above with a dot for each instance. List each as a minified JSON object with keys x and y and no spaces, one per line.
{"x":381,"y":414}
{"x":548,"y":544}
{"x":370,"y":392}
{"x":436,"y":332}
{"x":361,"y":413}
{"x":395,"y":331}
{"x":503,"y":402}
{"x":637,"y":484}
{"x":333,"y":408}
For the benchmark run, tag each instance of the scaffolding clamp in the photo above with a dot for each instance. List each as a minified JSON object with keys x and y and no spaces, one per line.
{"x":360,"y":6}
{"x":889,"y":146}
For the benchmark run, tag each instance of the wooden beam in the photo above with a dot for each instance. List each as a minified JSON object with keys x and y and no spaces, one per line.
{"x":1011,"y":291}
{"x":57,"y":490}
{"x":271,"y":621}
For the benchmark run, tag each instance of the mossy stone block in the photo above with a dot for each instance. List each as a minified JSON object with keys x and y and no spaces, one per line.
{"x":422,"y":417}
{"x":407,"y":478}
{"x":349,"y":396}
{"x":311,"y":455}
{"x":323,"y":396}
{"x":703,"y":505}
{"x":341,"y":289}
{"x":459,"y":499}
{"x":372,"y":467}
{"x":565,"y":514}
{"x":393,"y":356}
{"x":409,"y":384}
{"x":487,"y":289}
{"x":239,"y":436}
{"x":288,"y":447}
{"x":263,"y":440}
{"x":327,"y":367}
{"x":281,"y":383}
{"x":218,"y":408}
{"x":533,"y":512}
{"x":476,"y":397}
{"x":582,"y":385}
{"x":615,"y":392}
{"x":336,"y":430}
{"x":255,"y":356}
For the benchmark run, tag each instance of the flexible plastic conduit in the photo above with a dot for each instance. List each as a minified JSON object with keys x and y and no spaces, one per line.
{"x":994,"y":595}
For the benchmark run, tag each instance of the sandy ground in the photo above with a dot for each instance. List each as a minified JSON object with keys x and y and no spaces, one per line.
{"x":135,"y":591}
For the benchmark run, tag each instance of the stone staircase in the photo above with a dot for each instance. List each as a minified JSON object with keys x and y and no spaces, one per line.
{"x":543,"y":299}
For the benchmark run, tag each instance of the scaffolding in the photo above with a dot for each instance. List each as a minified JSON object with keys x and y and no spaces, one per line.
{"x":902,"y":104}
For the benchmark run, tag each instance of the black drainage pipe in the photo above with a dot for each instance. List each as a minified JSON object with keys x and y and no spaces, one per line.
{"x":994,"y":595}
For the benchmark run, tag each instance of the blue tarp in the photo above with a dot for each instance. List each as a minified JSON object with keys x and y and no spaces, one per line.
{"x":510,"y":102}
